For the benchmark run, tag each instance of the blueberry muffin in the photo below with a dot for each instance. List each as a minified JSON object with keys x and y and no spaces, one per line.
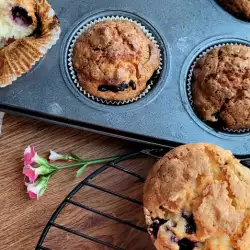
{"x":17,"y":19}
{"x":239,"y":8}
{"x":114,"y":60}
{"x":28,"y":29}
{"x":221,"y":86}
{"x":197,"y":197}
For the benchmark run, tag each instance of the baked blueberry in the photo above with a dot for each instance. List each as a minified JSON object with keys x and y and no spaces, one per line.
{"x":190,"y":227}
{"x":113,"y":88}
{"x":21,"y":17}
{"x":174,"y":238}
{"x":132,"y":84}
{"x":186,"y":244}
{"x":154,"y":227}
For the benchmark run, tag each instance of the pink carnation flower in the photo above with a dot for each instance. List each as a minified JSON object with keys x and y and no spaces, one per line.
{"x":42,"y":166}
{"x":31,"y":156}
{"x":33,"y":173}
{"x":37,"y":189}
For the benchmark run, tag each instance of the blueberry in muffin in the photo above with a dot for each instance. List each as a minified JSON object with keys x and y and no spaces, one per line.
{"x":114,"y":60}
{"x":221,"y":86}
{"x":197,"y":198}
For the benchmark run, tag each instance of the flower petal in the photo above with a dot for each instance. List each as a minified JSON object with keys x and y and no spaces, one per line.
{"x":54,"y":156}
{"x":39,"y":187}
{"x":31,"y":174}
{"x":33,"y":190}
{"x":29,"y":154}
{"x":32,"y":195}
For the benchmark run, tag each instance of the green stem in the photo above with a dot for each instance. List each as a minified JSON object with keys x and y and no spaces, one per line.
{"x":80,"y":163}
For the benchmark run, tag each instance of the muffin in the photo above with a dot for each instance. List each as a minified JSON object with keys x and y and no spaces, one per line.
{"x":239,"y":8}
{"x":197,"y":197}
{"x":17,"y":18}
{"x":221,"y":86}
{"x":114,"y":60}
{"x":28,"y":30}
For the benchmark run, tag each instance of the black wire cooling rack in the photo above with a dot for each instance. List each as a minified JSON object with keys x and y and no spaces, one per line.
{"x":155,"y":153}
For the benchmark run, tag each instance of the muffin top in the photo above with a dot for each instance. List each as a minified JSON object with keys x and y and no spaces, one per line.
{"x":239,"y":8}
{"x":114,"y":60}
{"x":221,"y":86}
{"x":197,"y":197}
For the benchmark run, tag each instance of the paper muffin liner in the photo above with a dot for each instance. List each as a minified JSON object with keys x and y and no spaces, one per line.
{"x":189,"y":87}
{"x":73,"y":74}
{"x":21,"y":55}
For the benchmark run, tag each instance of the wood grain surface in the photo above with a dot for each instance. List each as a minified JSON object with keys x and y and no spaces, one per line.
{"x":22,"y":221}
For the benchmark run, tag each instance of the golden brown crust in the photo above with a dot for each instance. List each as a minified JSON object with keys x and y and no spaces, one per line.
{"x":221,"y":86}
{"x":205,"y":184}
{"x":112,"y":53}
{"x":239,"y":8}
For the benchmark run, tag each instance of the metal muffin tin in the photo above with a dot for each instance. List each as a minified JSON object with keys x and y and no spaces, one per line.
{"x":164,"y":116}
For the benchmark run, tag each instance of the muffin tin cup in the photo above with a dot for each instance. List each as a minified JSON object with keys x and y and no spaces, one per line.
{"x":189,"y":87}
{"x":73,"y":75}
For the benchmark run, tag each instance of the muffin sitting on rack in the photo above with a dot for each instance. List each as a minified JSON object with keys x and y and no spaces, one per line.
{"x":197,"y":198}
{"x":221,"y":86}
{"x":114,"y":60}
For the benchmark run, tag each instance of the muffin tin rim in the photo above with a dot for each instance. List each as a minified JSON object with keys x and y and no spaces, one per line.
{"x":193,"y":55}
{"x":150,"y":25}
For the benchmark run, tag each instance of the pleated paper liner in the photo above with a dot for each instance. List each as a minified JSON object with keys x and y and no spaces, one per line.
{"x":217,"y":126}
{"x":21,"y":55}
{"x":150,"y":83}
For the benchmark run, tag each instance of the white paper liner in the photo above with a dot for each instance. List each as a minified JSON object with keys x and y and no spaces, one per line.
{"x":189,"y":84}
{"x":73,"y":73}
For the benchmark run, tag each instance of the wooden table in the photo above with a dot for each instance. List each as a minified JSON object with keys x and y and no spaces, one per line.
{"x":22,"y":220}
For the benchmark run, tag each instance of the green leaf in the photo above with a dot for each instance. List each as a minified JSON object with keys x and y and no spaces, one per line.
{"x":81,"y":170}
